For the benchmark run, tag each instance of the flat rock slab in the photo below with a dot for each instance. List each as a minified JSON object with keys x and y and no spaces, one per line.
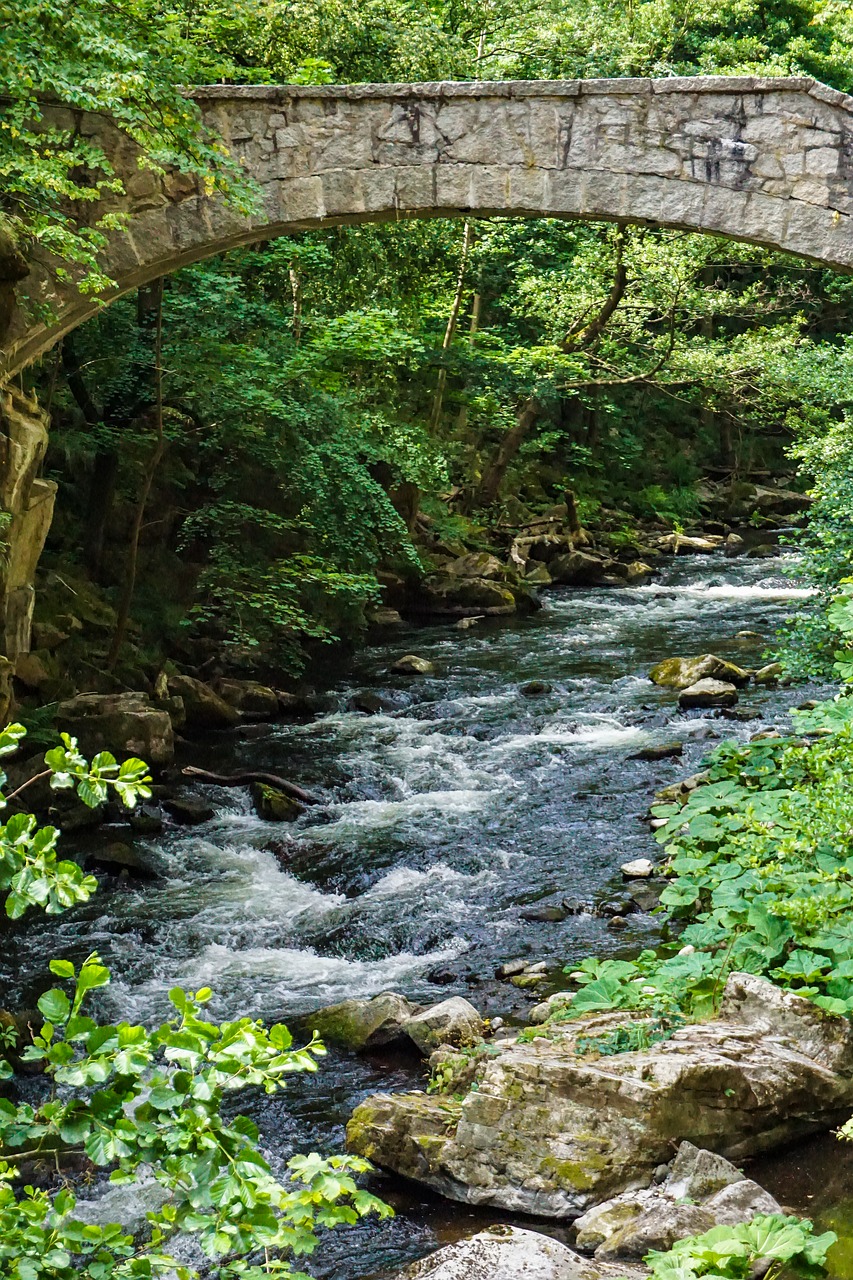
{"x":508,"y":1253}
{"x":543,"y":1130}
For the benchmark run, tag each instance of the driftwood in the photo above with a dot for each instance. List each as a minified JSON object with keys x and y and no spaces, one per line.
{"x":247,"y":776}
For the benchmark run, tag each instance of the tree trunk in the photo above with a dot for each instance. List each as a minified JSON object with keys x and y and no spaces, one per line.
{"x":490,"y":485}
{"x":126,"y":601}
{"x":452,"y":321}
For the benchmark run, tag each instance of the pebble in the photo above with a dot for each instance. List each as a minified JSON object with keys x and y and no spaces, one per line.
{"x":510,"y":968}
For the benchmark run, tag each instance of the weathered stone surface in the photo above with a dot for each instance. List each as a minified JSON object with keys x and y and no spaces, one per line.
{"x":681,"y":673}
{"x":543,"y":1130}
{"x":204,"y":707}
{"x":363,"y":1024}
{"x":700,"y":1190}
{"x":708,"y":693}
{"x":726,"y":155}
{"x":579,"y":569}
{"x":770,"y":674}
{"x":453,"y":1022}
{"x":697,"y":1174}
{"x":478,"y":564}
{"x":190,"y":811}
{"x":124,"y":723}
{"x":509,"y":1253}
{"x":253,"y":700}
{"x":460,"y":597}
{"x":656,"y":1227}
{"x":412,"y":665}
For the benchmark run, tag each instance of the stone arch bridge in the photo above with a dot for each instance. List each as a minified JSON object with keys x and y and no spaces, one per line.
{"x":768,"y":161}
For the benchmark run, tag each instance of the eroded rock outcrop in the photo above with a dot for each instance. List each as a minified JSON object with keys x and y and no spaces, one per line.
{"x":546,"y":1131}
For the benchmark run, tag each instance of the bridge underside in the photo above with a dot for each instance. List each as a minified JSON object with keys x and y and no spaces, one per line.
{"x":769,"y":161}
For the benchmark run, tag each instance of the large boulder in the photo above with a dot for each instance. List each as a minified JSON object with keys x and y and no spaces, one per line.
{"x":124,"y":723}
{"x":477,"y":564}
{"x":681,"y":673}
{"x":543,"y":1129}
{"x":510,"y":1253}
{"x":364,"y":1024}
{"x":203,"y":706}
{"x":253,"y":700}
{"x":580,"y":569}
{"x":462,"y":597}
{"x":453,"y":1022}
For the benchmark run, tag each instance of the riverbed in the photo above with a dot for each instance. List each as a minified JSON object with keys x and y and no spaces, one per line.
{"x":449,"y":818}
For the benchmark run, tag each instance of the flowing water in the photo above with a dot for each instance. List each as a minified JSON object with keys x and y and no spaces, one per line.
{"x":446,"y":818}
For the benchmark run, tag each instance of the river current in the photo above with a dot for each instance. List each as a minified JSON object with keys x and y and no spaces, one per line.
{"x":448,"y":818}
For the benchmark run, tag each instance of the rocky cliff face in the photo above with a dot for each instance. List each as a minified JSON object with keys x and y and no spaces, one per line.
{"x":26,"y":510}
{"x":542,"y":1129}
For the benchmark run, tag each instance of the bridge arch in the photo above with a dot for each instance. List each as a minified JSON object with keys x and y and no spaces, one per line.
{"x":769,"y":161}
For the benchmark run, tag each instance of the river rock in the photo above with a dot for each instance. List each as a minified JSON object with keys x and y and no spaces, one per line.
{"x":769,"y":675}
{"x":273,"y":805}
{"x":764,"y":551}
{"x":681,"y":673}
{"x":454,"y":1022}
{"x":580,"y":569}
{"x":190,"y":811}
{"x":510,"y":1253}
{"x":204,"y":708}
{"x":253,"y":700}
{"x":708,"y":693}
{"x":364,"y":1024}
{"x":638,"y":869}
{"x":128,"y":1205}
{"x":534,"y":688}
{"x":734,"y":545}
{"x":383,"y":617}
{"x":478,"y":564}
{"x":124,"y":723}
{"x":449,"y":595}
{"x":538,"y":575}
{"x":412,"y":665}
{"x":659,"y":751}
{"x":656,"y":1227}
{"x":679,"y":544}
{"x":543,"y":1130}
{"x":700,"y":1190}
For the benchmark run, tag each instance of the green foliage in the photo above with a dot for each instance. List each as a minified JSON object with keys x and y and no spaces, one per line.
{"x":788,"y":1245}
{"x":122,"y":61}
{"x":30,"y":873}
{"x":132,"y":1098}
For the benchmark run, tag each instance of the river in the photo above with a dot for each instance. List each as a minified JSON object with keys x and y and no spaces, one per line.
{"x":448,"y":818}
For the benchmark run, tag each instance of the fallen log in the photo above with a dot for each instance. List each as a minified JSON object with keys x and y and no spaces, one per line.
{"x":247,"y":776}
